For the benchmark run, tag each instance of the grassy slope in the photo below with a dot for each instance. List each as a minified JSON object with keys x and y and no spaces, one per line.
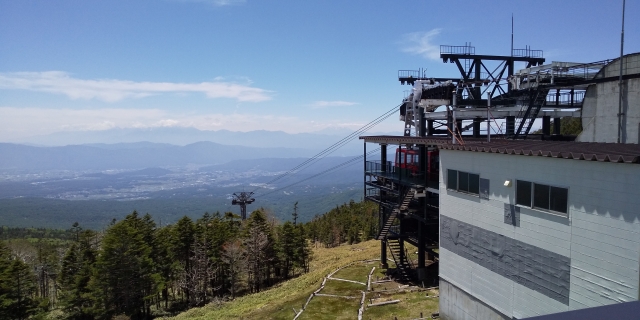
{"x":277,"y":302}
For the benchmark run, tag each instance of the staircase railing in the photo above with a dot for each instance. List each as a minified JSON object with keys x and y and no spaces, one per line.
{"x":529,"y":114}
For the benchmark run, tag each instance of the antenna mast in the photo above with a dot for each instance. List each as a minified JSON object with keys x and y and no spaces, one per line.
{"x":620,"y":113}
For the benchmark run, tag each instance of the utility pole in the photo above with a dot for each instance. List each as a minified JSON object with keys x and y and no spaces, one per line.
{"x":242,"y":199}
{"x":620,"y":113}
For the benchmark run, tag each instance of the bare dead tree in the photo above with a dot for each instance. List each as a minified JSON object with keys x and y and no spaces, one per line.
{"x":235,"y":259}
{"x":255,"y":244}
{"x":197,"y":279}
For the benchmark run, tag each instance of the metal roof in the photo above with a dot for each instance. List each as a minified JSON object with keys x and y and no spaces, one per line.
{"x":592,"y":151}
{"x":434,"y":140}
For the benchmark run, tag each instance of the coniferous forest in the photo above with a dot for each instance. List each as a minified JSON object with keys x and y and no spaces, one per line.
{"x":136,"y":269}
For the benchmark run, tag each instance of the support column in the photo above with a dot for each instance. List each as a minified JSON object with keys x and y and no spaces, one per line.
{"x":557,"y":125}
{"x":423,"y":125}
{"x":477,"y":90}
{"x":476,"y":127}
{"x":383,"y":255}
{"x":511,"y":125}
{"x":381,"y":210}
{"x":449,"y":123}
{"x":509,"y":73}
{"x":365,"y":170}
{"x":383,"y":157}
{"x":546,"y":125}
{"x":422,"y":272}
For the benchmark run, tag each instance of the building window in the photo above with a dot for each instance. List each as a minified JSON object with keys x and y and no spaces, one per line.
{"x":463,"y":181}
{"x":541,"y":196}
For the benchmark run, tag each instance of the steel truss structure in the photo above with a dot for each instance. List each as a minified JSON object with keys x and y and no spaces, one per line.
{"x":491,"y":84}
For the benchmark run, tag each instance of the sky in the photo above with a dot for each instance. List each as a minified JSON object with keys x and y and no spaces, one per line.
{"x":243,"y":65}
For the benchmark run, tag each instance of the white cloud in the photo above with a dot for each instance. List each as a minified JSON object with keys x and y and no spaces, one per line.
{"x":17,"y":124}
{"x":112,"y":90}
{"x":421,"y":43}
{"x":325,"y":104}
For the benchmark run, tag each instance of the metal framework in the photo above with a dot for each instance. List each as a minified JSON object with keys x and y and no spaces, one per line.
{"x":242,"y":199}
{"x":490,"y":83}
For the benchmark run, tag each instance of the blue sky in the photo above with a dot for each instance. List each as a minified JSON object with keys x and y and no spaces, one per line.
{"x":295,"y":66}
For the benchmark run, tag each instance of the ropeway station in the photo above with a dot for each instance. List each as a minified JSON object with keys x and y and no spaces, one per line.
{"x":482,"y":182}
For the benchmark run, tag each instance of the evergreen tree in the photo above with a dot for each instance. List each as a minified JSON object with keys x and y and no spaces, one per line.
{"x":287,"y":249}
{"x":165,"y":263}
{"x":17,"y":287}
{"x":258,"y":243}
{"x":75,"y":276}
{"x":302,"y":249}
{"x":181,"y":244}
{"x":125,"y":270}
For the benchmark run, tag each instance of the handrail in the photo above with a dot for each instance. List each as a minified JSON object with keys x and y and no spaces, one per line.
{"x":527,"y":52}
{"x":467,"y":50}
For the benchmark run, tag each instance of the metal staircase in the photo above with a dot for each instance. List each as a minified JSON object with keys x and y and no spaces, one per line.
{"x":537,"y":100}
{"x":403,"y":268}
{"x":385,"y":228}
{"x":394,"y":214}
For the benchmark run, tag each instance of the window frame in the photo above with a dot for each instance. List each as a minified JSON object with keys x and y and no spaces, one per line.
{"x":549,"y":203}
{"x":469,"y":182}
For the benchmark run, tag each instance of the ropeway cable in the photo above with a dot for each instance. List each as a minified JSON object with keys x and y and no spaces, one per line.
{"x":322,"y":154}
{"x":346,"y":163}
{"x":338,"y":144}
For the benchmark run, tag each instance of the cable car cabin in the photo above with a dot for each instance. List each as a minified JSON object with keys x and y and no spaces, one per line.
{"x":409,"y":159}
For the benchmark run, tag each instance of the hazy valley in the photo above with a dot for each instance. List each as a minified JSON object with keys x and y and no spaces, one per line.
{"x":95,"y":183}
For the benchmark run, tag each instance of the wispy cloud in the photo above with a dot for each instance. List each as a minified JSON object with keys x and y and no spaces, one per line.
{"x":18,"y":123}
{"x":421,"y":43}
{"x":326,"y":104}
{"x":218,"y":3}
{"x":112,"y":90}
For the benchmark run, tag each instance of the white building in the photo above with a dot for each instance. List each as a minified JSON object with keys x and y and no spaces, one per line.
{"x":534,"y":227}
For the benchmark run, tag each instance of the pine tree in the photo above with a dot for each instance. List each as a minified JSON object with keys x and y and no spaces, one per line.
{"x":287,"y":241}
{"x":302,"y":250}
{"x":76,"y":274}
{"x":125,"y":270}
{"x":258,"y":243}
{"x":181,"y":243}
{"x":165,"y":262}
{"x":17,"y":287}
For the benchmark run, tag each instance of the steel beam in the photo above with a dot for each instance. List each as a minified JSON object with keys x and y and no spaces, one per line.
{"x":469,"y":114}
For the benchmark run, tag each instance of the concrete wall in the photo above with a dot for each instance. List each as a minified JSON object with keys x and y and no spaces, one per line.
{"x":519,"y":269}
{"x":600,"y":107}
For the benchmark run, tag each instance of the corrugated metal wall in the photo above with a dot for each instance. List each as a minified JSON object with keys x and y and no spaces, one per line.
{"x":599,"y":240}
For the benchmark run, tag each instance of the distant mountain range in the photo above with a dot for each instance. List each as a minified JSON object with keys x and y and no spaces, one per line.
{"x":170,"y":172}
{"x":132,"y":155}
{"x":184,"y":136}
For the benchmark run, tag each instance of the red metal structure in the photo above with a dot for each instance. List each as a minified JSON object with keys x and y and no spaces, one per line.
{"x":408,"y":159}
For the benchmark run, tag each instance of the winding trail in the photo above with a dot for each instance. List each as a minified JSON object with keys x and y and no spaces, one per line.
{"x":330,"y":277}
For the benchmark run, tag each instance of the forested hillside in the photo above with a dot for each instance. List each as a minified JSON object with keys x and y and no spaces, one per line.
{"x":136,"y":269}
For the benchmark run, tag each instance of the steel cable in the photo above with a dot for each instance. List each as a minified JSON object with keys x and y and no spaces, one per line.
{"x":322,"y":154}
